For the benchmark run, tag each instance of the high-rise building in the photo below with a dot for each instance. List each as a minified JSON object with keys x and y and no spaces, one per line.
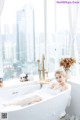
{"x":25,"y":35}
{"x":8,"y":43}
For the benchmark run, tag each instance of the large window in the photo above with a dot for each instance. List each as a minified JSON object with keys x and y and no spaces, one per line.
{"x":26,"y":26}
{"x":22,"y":36}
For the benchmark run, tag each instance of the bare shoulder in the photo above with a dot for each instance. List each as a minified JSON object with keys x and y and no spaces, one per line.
{"x":65,"y":87}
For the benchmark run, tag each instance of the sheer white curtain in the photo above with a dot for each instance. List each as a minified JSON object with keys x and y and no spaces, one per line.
{"x":1,"y":5}
{"x":73,"y":10}
{"x":1,"y":62}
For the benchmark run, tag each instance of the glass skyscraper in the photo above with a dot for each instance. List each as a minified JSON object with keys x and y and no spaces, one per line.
{"x":25,"y":35}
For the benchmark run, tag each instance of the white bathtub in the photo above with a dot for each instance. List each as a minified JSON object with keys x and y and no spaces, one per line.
{"x":8,"y":93}
{"x":51,"y":105}
{"x":74,"y":108}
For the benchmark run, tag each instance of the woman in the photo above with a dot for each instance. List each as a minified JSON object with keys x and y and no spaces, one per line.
{"x":60,"y":77}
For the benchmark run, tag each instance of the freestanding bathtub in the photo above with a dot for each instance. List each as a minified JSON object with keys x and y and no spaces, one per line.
{"x":51,"y":105}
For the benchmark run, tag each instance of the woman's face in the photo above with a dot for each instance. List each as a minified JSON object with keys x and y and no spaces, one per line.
{"x":60,"y":78}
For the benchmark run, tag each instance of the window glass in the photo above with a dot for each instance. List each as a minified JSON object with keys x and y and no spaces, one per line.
{"x":22,"y":36}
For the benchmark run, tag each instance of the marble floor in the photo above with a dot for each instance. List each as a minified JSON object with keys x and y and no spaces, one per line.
{"x":67,"y":117}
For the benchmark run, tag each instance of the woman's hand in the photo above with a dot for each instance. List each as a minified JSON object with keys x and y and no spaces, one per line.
{"x":53,"y":85}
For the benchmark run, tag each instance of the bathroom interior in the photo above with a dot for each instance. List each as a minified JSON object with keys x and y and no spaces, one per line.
{"x":37,"y":38}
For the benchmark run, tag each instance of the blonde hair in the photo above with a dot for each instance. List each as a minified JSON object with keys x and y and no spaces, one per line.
{"x":61,"y":72}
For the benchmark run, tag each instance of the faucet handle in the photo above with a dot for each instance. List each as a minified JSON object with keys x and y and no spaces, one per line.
{"x":46,"y":73}
{"x":38,"y":60}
